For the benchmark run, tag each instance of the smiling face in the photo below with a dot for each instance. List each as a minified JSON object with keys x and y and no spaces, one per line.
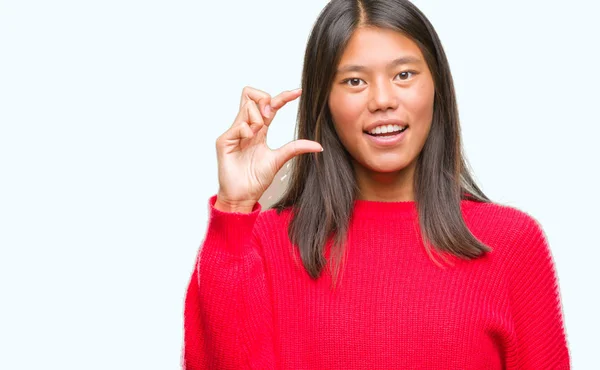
{"x":382,"y":79}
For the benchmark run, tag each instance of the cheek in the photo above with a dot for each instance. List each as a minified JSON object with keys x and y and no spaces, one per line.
{"x":420,"y":102}
{"x":345,"y":109}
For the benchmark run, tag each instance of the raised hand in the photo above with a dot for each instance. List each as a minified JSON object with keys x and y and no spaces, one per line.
{"x":246,"y":164}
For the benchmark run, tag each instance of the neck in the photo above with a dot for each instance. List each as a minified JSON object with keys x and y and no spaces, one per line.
{"x":395,"y":186}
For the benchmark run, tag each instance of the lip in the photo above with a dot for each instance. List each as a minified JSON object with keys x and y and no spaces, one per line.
{"x":387,"y":141}
{"x":385,"y":122}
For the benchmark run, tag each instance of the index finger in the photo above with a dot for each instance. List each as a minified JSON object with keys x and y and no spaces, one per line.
{"x":261,"y":98}
{"x":284,"y":98}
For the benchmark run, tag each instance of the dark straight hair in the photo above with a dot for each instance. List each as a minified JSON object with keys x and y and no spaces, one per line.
{"x":323,"y":187}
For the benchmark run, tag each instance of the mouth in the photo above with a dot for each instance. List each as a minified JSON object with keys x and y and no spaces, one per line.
{"x":386,"y":138}
{"x":389,"y":131}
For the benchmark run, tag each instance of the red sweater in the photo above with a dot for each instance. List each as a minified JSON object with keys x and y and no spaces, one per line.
{"x":250,"y":306}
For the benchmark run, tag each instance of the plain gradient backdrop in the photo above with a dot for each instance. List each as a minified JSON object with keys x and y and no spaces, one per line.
{"x":109,"y":112}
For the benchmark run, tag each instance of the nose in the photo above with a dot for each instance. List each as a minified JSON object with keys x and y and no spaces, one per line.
{"x":383,"y":96}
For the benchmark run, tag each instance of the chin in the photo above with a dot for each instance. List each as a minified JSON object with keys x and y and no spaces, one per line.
{"x":386,"y":165}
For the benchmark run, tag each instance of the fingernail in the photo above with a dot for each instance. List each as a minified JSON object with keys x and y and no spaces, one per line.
{"x":267,"y":110}
{"x":321,"y":148}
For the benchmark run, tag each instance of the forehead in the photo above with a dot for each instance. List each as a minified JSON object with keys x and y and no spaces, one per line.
{"x":372,"y":46}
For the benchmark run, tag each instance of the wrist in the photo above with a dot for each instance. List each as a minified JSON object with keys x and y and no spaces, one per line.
{"x":237,"y":207}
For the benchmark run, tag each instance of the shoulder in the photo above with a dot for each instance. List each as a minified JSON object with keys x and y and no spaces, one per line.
{"x":520,"y":246}
{"x":501,"y":225}
{"x":508,"y":216}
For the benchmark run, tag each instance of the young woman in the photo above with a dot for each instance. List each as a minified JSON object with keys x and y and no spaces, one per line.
{"x":383,"y":253}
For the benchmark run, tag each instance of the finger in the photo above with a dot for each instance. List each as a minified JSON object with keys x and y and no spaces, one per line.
{"x":245,"y":132}
{"x":255,"y":120}
{"x":261,"y":98}
{"x":294,"y":148}
{"x":234,"y":135}
{"x":279,"y":101}
{"x":284,"y":98}
{"x":250,"y":115}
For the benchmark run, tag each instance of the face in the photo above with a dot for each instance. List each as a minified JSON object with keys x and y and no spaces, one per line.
{"x":382,"y":79}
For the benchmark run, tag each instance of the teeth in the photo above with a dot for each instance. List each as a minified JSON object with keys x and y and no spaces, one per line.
{"x":386,"y":129}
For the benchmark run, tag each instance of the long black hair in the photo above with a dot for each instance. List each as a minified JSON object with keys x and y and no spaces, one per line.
{"x":323,"y":187}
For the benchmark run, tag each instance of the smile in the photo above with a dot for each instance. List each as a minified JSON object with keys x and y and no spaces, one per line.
{"x":387,"y":139}
{"x":388,"y":130}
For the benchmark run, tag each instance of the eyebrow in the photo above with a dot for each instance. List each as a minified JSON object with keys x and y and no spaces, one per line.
{"x":396,"y":62}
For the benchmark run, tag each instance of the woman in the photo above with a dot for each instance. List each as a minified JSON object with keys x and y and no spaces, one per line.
{"x":383,"y":253}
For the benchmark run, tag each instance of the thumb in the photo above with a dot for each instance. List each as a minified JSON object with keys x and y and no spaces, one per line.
{"x":294,"y":148}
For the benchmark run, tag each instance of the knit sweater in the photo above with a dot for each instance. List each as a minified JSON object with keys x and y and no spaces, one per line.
{"x":251,"y":305}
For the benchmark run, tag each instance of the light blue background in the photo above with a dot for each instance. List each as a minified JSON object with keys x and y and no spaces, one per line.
{"x":109,"y":112}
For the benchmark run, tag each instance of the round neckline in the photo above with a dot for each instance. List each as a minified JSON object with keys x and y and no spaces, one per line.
{"x":392,"y":209}
{"x":379,"y":209}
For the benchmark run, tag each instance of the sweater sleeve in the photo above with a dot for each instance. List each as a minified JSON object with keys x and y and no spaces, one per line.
{"x":536,"y":305}
{"x":227,"y":316}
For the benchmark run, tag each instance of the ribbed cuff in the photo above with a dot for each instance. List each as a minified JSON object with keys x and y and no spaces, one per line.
{"x":230,"y":231}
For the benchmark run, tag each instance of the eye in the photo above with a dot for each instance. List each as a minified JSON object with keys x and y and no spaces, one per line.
{"x":352,"y":81}
{"x":404,"y":75}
